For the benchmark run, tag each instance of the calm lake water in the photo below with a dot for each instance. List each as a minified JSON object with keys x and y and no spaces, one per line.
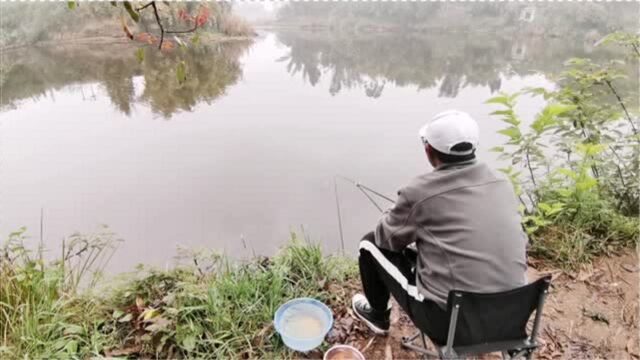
{"x":249,"y":146}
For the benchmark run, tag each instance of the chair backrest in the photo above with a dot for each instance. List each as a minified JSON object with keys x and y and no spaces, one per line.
{"x":486,"y":318}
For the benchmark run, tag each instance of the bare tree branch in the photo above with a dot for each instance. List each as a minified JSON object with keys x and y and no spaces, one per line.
{"x":624,"y":108}
{"x":159,"y":22}
{"x":155,"y":12}
{"x":145,"y":6}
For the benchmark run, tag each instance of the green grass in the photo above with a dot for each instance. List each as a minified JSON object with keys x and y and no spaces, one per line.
{"x":215,"y":309}
{"x":590,"y":230}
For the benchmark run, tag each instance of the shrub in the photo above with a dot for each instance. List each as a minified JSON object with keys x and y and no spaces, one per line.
{"x":579,"y":192}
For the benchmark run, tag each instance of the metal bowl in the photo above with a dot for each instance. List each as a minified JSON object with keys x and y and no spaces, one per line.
{"x":343,"y":352}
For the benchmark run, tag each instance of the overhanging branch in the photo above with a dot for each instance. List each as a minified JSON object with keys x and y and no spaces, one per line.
{"x":152,"y":4}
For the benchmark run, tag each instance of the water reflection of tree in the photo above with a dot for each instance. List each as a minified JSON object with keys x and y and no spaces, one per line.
{"x":35,"y":72}
{"x":447,"y":61}
{"x":209,"y":71}
{"x":372,"y":60}
{"x":118,"y":82}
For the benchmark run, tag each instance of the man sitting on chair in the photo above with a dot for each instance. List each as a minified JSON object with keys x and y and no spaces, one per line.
{"x":464,"y":221}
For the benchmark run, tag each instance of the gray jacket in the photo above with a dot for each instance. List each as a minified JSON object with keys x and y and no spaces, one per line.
{"x":465,"y":222}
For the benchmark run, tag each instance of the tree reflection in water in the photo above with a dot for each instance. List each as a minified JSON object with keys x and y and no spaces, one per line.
{"x":35,"y":72}
{"x":448,"y":62}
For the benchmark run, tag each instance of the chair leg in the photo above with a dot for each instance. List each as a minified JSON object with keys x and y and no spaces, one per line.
{"x":407,"y":342}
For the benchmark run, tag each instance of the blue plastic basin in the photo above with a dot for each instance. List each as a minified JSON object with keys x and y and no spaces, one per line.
{"x":312,"y":311}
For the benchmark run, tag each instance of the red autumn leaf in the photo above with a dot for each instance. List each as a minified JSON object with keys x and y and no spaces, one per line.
{"x":142,"y":37}
{"x":200,"y":20}
{"x":168,"y":45}
{"x":152,"y":40}
{"x":203,"y":16}
{"x":183,"y":14}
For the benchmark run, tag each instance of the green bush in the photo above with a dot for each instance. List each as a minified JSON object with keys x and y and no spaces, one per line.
{"x":579,"y":192}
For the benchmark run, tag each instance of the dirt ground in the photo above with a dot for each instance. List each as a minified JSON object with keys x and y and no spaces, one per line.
{"x":589,"y":314}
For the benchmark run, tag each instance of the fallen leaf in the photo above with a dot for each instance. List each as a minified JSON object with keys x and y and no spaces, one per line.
{"x":139,"y":303}
{"x":126,"y":318}
{"x":158,"y":324}
{"x":149,"y":313}
{"x":322,"y":283}
{"x":630,"y":268}
{"x":595,"y":316}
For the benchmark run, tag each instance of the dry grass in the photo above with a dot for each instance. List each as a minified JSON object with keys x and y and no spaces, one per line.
{"x":233,"y":25}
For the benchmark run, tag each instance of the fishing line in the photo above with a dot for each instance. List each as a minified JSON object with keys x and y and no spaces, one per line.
{"x":335,"y":190}
{"x":364,"y":190}
{"x":370,"y":199}
{"x":364,"y":187}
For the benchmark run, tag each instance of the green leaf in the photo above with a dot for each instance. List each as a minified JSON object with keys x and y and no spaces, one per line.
{"x":540,"y":124}
{"x":586,"y":184}
{"x":544,"y":207}
{"x":590,"y":149}
{"x":181,"y":72}
{"x":536,"y":91}
{"x":498,"y":149}
{"x":512,"y":132}
{"x":71,"y":347}
{"x":73,"y":329}
{"x":558,"y":109}
{"x":502,"y":99}
{"x":556,"y":208}
{"x":502,"y":112}
{"x":507,"y":116}
{"x":140,"y":55}
{"x":132,"y":13}
{"x":72,"y":4}
{"x":568,"y":173}
{"x":195,"y":39}
{"x":189,"y":343}
{"x":565,"y":192}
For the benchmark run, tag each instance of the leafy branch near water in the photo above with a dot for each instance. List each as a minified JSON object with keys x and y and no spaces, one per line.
{"x":186,"y":24}
{"x":575,"y":167}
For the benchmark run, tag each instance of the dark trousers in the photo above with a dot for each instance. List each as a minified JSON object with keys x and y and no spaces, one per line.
{"x":386,"y":273}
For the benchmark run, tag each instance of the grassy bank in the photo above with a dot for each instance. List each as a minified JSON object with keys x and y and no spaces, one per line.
{"x":212,"y":308}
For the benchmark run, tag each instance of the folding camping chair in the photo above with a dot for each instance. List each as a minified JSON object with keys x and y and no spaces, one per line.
{"x":484,"y":323}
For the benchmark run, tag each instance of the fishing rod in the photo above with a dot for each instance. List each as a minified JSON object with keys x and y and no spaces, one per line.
{"x":363,"y":189}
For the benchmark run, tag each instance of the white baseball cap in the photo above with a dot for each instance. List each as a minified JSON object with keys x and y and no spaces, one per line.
{"x":448,"y":129}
